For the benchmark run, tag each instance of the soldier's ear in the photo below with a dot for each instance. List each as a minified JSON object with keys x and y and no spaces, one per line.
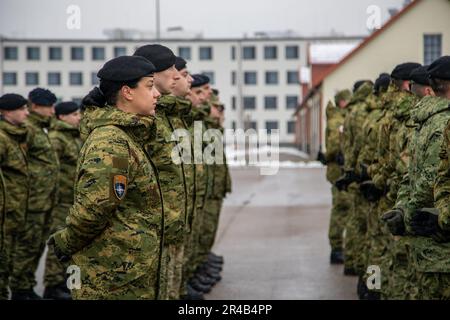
{"x":126,"y":93}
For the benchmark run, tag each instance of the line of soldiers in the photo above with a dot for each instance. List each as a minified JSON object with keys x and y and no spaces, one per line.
{"x":98,"y":183}
{"x":387,"y":157}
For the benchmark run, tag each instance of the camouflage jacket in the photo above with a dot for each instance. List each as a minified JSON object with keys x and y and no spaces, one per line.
{"x":13,"y":163}
{"x":67,"y":143}
{"x":2,"y":211}
{"x":353,"y":127}
{"x":115,"y":229}
{"x":334,"y":140}
{"x":416,"y":190}
{"x":43,"y":165}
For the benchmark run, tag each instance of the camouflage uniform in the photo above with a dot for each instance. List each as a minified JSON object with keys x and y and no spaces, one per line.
{"x":174,"y":191}
{"x":334,"y":145}
{"x":426,"y":258}
{"x":43,"y":166}
{"x":115,"y":230}
{"x":67,"y":143}
{"x":353,"y":140}
{"x":14,"y":165}
{"x":3,"y":261}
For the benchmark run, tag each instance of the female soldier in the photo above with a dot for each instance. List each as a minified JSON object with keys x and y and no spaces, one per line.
{"x":114,"y":230}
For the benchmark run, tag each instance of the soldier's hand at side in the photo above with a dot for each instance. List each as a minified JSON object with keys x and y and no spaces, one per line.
{"x":394,"y":221}
{"x":62,"y":257}
{"x":425,"y":222}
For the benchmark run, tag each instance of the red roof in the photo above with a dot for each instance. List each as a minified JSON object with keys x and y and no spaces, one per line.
{"x":372,"y":37}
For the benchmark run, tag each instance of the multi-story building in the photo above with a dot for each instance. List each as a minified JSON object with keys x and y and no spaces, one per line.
{"x":258,"y":78}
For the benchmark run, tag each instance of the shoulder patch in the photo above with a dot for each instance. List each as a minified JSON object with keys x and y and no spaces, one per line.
{"x":120,"y":186}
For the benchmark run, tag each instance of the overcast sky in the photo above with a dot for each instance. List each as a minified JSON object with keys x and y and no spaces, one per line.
{"x":214,"y":18}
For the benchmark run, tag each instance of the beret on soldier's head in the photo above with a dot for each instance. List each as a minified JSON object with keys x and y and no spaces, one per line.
{"x":440,"y":68}
{"x":12,"y":101}
{"x":403,"y":70}
{"x":42,"y":97}
{"x":382,"y":83}
{"x":420,"y":76}
{"x":199,"y":80}
{"x":359,"y":83}
{"x":342,"y":95}
{"x":126,"y":68}
{"x":162,"y":57}
{"x":68,"y":107}
{"x":180,"y":63}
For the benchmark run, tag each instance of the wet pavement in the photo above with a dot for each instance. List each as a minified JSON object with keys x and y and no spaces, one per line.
{"x":273,"y":235}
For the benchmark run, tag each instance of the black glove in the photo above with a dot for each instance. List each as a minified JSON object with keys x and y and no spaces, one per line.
{"x":370,"y":191}
{"x":343,"y":182}
{"x":339,"y":159}
{"x":321,"y":158}
{"x":394,"y":221}
{"x":425,"y":222}
{"x":62,"y":257}
{"x":364,"y":175}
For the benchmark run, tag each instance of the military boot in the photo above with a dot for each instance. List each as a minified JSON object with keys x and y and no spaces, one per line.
{"x":196,"y":285}
{"x":336,"y":257}
{"x":192,"y":294}
{"x":215,"y":258}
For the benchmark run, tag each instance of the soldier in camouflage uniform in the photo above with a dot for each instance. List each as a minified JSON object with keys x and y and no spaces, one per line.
{"x":65,"y":138}
{"x":13,"y":165}
{"x":43,"y":167}
{"x":414,"y":214}
{"x":172,"y":175}
{"x":335,"y":160}
{"x":115,"y":230}
{"x":353,"y":137}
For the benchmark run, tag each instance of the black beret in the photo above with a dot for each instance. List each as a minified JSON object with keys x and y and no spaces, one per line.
{"x":162,"y":57}
{"x":403,"y":71}
{"x":180,"y":63}
{"x":12,"y":101}
{"x":199,"y":80}
{"x":382,"y":82}
{"x":440,"y":68}
{"x":66,"y":108}
{"x":126,"y":68}
{"x":42,"y":97}
{"x":359,"y":83}
{"x":420,"y":76}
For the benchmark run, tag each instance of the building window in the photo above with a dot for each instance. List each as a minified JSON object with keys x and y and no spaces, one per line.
{"x":233,"y":53}
{"x":211,"y":76}
{"x":271,"y":125}
{"x":293,"y":77}
{"x":75,"y":78}
{"x":55,"y":53}
{"x":32,"y":78}
{"x":33,"y":53}
{"x":270,"y":102}
{"x":252,"y":125}
{"x":9,"y":78}
{"x":249,"y":103}
{"x":120,"y":51}
{"x":77,"y":53}
{"x":291,"y":127}
{"x":54,"y":78}
{"x":271,"y":77}
{"x":291,"y":52}
{"x":233,"y":103}
{"x":432,"y":47}
{"x":206,"y":53}
{"x":291,"y":102}
{"x":250,"y":77}
{"x":98,"y":53}
{"x":249,"y":53}
{"x":94,"y":79}
{"x":11,"y":53}
{"x":270,"y":52}
{"x":233,"y":78}
{"x":185,"y":52}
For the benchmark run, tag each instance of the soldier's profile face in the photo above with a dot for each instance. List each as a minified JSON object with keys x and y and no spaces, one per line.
{"x":72,"y":118}
{"x":46,"y":111}
{"x":16,"y":117}
{"x":165,"y":81}
{"x":144,"y":97}
{"x":183,"y":84}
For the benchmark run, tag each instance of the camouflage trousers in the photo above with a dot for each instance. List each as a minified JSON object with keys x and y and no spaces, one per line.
{"x":433,"y":286}
{"x":55,"y":272}
{"x":355,"y":232}
{"x":7,"y":256}
{"x":31,"y":244}
{"x":174,"y":270}
{"x":339,"y":212}
{"x":209,"y":226}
